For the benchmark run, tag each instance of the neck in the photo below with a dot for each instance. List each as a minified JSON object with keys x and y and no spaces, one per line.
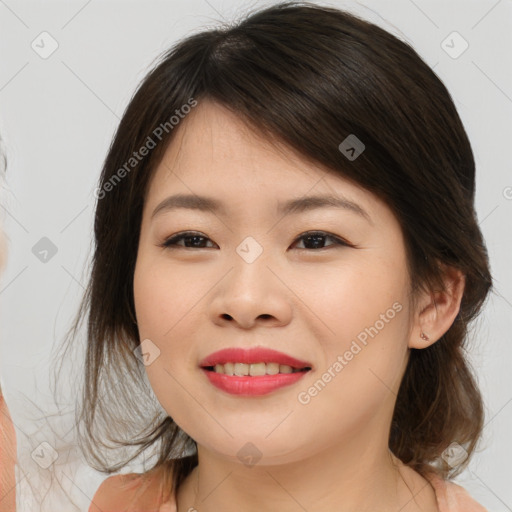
{"x":355,"y":478}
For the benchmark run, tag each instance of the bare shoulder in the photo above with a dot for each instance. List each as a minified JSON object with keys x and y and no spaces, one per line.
{"x":133,"y":492}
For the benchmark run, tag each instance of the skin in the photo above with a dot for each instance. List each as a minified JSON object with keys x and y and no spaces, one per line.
{"x":7,"y":432}
{"x":7,"y":459}
{"x":331,"y":453}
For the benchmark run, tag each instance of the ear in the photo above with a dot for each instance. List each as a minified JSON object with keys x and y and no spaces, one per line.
{"x":437,"y":310}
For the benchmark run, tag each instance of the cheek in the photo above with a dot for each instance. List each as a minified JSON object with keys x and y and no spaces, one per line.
{"x":149,"y":297}
{"x":356,"y":386}
{"x":163,"y":299}
{"x":164,"y":307}
{"x":345,"y":300}
{"x":364,"y":317}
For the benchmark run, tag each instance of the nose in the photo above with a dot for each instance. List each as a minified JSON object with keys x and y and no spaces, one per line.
{"x":250,"y":294}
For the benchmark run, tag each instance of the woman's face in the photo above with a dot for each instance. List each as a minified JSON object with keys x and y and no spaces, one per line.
{"x":251,"y":279}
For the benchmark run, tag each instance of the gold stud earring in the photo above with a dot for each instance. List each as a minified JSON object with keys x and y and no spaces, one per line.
{"x":424,"y":336}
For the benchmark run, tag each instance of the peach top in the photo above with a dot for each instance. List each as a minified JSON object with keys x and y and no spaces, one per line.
{"x":132,"y":493}
{"x":7,"y":459}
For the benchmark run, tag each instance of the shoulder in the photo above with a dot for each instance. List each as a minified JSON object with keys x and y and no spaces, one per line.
{"x":133,"y":492}
{"x":7,"y":458}
{"x":452,"y":497}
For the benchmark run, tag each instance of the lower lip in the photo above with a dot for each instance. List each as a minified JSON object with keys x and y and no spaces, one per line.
{"x":252,"y":386}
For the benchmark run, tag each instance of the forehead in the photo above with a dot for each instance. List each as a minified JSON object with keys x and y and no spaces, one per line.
{"x":214,"y":152}
{"x":213,"y":142}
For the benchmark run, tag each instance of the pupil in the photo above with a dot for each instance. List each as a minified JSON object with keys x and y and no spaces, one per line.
{"x":310,"y":237}
{"x":195,"y":239}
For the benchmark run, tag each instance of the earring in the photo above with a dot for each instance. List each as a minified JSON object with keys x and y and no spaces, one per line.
{"x":424,"y":336}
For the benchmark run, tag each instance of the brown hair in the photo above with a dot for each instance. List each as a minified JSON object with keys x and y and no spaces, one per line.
{"x":307,"y":76}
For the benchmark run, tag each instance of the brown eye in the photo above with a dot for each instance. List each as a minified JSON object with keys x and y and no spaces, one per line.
{"x":315,"y":239}
{"x":191,"y":240}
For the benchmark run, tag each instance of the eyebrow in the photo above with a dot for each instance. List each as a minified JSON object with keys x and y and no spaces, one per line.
{"x":291,"y":206}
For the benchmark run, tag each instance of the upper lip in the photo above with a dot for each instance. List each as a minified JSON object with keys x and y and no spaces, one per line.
{"x":252,"y":355}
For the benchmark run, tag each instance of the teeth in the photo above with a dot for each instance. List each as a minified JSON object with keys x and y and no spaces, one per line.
{"x":272,"y":368}
{"x":241,"y":369}
{"x":254,"y":370}
{"x":257,"y":369}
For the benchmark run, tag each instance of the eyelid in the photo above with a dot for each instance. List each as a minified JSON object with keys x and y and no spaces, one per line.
{"x":339,"y":241}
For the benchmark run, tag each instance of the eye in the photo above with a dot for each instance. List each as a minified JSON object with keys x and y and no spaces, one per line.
{"x":314,"y":238}
{"x":195,"y":240}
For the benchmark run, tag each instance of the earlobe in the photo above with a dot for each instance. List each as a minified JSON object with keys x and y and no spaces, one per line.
{"x":438,"y":310}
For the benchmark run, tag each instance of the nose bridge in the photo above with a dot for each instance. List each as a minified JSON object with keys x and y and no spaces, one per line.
{"x":250,"y":250}
{"x":250,"y":272}
{"x":251,"y":290}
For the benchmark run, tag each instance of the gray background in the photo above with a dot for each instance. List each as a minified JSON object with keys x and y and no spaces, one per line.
{"x":57,"y":117}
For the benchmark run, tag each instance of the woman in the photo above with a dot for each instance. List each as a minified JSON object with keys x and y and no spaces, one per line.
{"x":287,"y":248}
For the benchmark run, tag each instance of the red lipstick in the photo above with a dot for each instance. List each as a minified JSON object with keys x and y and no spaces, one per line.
{"x":252,"y":355}
{"x":253,"y":385}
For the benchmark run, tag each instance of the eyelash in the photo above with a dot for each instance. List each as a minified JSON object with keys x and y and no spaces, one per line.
{"x":170,"y":243}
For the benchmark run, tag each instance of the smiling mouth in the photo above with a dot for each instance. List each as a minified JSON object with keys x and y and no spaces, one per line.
{"x":254,"y":369}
